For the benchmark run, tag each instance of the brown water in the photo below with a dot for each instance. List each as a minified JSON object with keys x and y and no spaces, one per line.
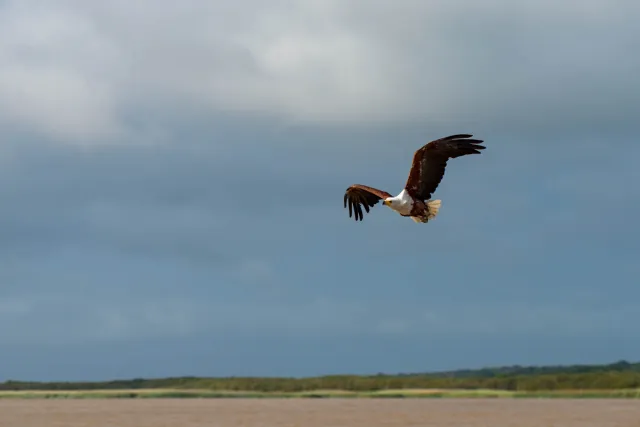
{"x":320,"y":413}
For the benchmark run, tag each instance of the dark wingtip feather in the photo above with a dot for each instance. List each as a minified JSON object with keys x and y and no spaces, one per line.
{"x":476,"y":149}
{"x":457,"y":136}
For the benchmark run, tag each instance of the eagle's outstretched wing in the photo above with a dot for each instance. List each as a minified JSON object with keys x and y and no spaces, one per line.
{"x":360,"y":195}
{"x":430,"y":161}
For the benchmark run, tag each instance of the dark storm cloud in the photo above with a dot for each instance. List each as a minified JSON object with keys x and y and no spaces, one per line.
{"x":180,"y":198}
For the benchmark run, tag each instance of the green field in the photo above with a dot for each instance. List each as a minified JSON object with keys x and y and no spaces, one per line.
{"x":401,"y":393}
{"x":616,"y":380}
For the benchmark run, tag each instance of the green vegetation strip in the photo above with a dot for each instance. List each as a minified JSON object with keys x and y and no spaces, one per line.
{"x":176,"y":393}
{"x":616,"y":380}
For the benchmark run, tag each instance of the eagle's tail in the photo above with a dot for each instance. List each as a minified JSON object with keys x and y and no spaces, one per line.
{"x":434,"y":208}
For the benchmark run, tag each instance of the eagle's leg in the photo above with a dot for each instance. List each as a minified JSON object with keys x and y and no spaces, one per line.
{"x":423,"y":212}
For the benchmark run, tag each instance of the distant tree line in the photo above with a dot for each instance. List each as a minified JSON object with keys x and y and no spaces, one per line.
{"x":620,"y":375}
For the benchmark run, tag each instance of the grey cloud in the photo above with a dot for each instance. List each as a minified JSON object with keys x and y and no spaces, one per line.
{"x":189,"y":201}
{"x":535,"y":66}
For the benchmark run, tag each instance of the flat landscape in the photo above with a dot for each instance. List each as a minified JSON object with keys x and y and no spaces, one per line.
{"x":320,"y":412}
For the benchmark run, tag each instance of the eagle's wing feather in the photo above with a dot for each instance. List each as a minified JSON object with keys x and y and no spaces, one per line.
{"x":430,"y":161}
{"x":359,"y":195}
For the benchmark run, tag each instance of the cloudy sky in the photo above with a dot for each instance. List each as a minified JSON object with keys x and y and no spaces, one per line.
{"x":172,"y":177}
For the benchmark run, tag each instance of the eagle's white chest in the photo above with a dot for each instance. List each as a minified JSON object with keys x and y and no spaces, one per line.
{"x":402,"y":203}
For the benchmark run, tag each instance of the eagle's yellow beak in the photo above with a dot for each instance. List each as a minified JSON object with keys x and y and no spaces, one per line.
{"x":385,"y":202}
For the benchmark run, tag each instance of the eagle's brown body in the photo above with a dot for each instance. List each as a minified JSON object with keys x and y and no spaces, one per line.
{"x":418,"y":209}
{"x":427,"y":169}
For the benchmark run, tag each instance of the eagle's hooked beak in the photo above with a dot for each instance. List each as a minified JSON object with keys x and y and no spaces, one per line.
{"x":385,"y":202}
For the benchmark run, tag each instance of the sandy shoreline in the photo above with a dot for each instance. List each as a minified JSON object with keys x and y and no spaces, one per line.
{"x":319,"y":412}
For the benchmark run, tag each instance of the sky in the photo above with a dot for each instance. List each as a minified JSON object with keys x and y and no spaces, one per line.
{"x":172,"y":175}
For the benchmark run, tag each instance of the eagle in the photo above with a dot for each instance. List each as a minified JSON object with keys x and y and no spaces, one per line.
{"x":427,"y":170}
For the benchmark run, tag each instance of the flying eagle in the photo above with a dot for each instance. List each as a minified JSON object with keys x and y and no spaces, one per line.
{"x":427,"y":170}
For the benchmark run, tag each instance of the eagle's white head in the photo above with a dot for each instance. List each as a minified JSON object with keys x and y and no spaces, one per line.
{"x":402,"y":203}
{"x":391,"y":202}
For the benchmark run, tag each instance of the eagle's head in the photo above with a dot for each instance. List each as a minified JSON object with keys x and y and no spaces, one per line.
{"x":400,"y":204}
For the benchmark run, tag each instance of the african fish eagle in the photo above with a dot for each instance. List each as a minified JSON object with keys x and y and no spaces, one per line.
{"x":427,"y":170}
